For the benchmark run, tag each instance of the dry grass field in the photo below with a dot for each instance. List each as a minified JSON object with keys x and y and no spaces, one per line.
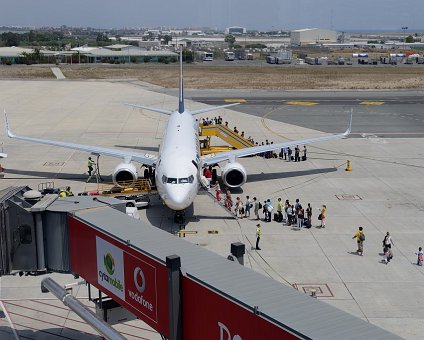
{"x":240,"y":77}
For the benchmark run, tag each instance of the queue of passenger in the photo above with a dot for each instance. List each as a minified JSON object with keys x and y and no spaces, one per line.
{"x":288,"y":154}
{"x":288,"y":213}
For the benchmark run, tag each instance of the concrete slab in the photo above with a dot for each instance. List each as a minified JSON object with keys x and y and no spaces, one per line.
{"x":387,"y":174}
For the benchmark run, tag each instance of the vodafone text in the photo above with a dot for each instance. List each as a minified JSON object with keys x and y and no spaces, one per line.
{"x":140,"y":299}
{"x":224,"y":333}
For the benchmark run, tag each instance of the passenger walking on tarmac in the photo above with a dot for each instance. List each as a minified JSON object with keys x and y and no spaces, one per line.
{"x":387,"y":242}
{"x":90,"y":164}
{"x":247,"y":207}
{"x":322,"y":216}
{"x":280,"y":210}
{"x":420,"y":256}
{"x":297,"y":154}
{"x":286,"y":207}
{"x":256,"y":207}
{"x":289,"y":153}
{"x":304,"y":153}
{"x":387,"y":255}
{"x":258,"y":236}
{"x":290,"y":215}
{"x":300,"y":216}
{"x":360,"y":238}
{"x":238,"y":210}
{"x":309,"y":216}
{"x":269,"y":209}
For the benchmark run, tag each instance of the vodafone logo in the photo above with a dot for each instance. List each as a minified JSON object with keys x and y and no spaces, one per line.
{"x":140,"y":285}
{"x":139,"y":280}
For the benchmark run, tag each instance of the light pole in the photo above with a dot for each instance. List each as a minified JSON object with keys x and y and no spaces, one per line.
{"x":404,"y":28}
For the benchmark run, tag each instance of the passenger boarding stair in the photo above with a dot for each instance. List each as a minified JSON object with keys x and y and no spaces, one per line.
{"x":221,"y":131}
{"x":211,"y":192}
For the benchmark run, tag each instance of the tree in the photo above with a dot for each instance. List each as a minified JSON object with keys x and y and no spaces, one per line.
{"x":10,"y":39}
{"x":166,"y":39}
{"x":230,"y":39}
{"x":409,"y":39}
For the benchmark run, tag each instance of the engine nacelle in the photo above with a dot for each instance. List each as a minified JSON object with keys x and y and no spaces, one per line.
{"x":234,"y":175}
{"x":124,"y":175}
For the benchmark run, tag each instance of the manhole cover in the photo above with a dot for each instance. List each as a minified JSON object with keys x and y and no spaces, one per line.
{"x":54,"y":164}
{"x":320,"y":289}
{"x":349,"y":197}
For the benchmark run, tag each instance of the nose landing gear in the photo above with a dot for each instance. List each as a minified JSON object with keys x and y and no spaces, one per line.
{"x":179,"y":217}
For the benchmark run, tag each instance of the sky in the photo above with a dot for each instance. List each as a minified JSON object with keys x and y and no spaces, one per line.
{"x":352,"y":15}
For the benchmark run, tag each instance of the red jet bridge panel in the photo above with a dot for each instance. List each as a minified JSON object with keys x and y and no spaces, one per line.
{"x":218,"y":318}
{"x":134,"y":280}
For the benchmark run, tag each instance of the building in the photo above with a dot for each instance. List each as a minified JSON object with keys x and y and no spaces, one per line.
{"x":123,"y":54}
{"x":309,"y":36}
{"x":13,"y":55}
{"x":235,"y":30}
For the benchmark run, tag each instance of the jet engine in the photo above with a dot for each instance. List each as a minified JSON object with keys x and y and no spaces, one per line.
{"x":124,"y":175}
{"x":234,"y":175}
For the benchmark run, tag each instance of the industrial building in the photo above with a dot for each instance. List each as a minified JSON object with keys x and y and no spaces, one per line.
{"x":235,"y":30}
{"x":309,"y":36}
{"x":13,"y":55}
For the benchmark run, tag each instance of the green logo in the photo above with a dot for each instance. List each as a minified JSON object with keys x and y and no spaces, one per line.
{"x":109,"y":263}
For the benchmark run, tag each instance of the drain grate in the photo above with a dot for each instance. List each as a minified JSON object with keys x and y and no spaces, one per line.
{"x":320,"y":289}
{"x":54,"y":164}
{"x":349,"y":197}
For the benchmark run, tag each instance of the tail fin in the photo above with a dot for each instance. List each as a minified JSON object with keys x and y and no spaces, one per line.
{"x":181,"y":96}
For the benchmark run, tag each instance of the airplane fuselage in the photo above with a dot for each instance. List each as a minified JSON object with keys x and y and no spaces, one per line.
{"x":177,"y":176}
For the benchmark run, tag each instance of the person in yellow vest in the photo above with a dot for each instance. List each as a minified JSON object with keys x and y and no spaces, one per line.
{"x":90,"y":164}
{"x":258,"y":236}
{"x":66,"y":192}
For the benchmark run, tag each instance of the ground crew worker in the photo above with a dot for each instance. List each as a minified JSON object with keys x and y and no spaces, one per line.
{"x":90,"y":164}
{"x":65,"y":192}
{"x":258,"y":236}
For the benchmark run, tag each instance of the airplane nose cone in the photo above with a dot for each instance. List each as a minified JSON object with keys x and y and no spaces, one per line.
{"x":178,"y":199}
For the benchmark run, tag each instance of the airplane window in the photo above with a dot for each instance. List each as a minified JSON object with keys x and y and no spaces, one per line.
{"x":182,"y":180}
{"x":164,"y":179}
{"x":172,"y":181}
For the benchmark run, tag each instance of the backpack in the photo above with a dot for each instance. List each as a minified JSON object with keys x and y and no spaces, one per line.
{"x":362,"y":237}
{"x":260,"y":205}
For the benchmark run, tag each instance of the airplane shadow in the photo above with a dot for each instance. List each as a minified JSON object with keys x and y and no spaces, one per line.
{"x":287,"y":174}
{"x":144,"y":148}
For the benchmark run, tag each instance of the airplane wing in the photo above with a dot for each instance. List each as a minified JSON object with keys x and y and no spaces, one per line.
{"x":128,"y":156}
{"x":233,"y":154}
{"x":212,"y":108}
{"x":154,"y":109}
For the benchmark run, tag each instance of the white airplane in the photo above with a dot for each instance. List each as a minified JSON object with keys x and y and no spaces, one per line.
{"x":179,"y":164}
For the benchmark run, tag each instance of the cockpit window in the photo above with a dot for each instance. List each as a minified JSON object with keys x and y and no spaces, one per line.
{"x":184,"y":180}
{"x":171,"y":180}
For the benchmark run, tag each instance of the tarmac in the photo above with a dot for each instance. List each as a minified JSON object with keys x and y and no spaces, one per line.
{"x":383,"y":192}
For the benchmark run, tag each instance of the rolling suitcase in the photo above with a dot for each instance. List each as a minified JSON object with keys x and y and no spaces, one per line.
{"x":275,"y":217}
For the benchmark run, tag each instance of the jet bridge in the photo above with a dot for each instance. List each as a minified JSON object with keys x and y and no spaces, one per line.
{"x":178,"y":288}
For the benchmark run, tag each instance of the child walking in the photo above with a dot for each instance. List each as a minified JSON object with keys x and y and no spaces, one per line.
{"x":420,"y":256}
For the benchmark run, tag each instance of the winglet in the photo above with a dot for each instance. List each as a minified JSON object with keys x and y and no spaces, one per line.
{"x":6,"y":125}
{"x":349,"y":129}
